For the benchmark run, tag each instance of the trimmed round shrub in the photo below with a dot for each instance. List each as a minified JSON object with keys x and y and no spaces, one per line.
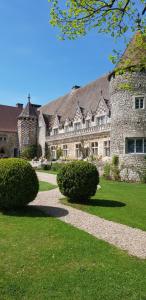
{"x":18,"y":183}
{"x":78,"y":180}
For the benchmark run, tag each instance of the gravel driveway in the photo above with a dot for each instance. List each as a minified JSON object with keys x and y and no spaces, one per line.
{"x":124,"y":237}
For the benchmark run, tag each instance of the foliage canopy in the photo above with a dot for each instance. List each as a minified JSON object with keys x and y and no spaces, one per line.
{"x":78,"y":180}
{"x":76,"y":17}
{"x":18,"y":183}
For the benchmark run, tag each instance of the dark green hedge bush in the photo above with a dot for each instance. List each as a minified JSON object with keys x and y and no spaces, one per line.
{"x":78,"y":180}
{"x":46,"y":167}
{"x":29,"y":152}
{"x":18,"y":183}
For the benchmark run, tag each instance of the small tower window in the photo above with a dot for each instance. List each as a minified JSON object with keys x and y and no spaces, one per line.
{"x":139,"y":102}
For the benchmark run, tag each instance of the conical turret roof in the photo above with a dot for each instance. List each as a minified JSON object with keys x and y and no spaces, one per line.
{"x":135,"y":54}
{"x":28,"y":111}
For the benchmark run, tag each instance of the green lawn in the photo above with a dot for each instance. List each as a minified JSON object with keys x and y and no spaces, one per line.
{"x":46,"y":186}
{"x":43,"y":258}
{"x":118,"y":201}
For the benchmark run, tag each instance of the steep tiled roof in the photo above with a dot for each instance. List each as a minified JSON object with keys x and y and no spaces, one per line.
{"x":86,"y":97}
{"x":8,"y":118}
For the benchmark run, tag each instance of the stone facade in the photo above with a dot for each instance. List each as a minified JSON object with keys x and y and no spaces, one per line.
{"x":87,"y":130}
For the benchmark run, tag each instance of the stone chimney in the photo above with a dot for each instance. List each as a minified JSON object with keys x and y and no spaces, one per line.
{"x":20,"y":105}
{"x":75,"y":87}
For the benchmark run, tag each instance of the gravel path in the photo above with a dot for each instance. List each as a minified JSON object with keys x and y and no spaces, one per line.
{"x":51,"y":178}
{"x":126,"y":238}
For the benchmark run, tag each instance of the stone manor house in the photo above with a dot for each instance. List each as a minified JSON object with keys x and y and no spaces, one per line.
{"x":107,"y":117}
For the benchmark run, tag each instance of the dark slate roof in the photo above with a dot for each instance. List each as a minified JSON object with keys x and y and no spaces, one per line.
{"x":8,"y":118}
{"x":29,"y":111}
{"x":86,"y":97}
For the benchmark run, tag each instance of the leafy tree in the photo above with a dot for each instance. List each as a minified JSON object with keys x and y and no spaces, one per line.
{"x":47,"y":152}
{"x":59,"y":152}
{"x":76,"y":17}
{"x":29,"y":152}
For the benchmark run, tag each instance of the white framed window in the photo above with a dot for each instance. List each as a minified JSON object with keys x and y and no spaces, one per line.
{"x":55,"y":131}
{"x":101,"y":120}
{"x":107,"y":148}
{"x":94,"y":148}
{"x":3,"y":139}
{"x":26,"y":139}
{"x":139,"y":102}
{"x":65,"y":151}
{"x":53,"y":152}
{"x":77,"y":125}
{"x":88,"y":123}
{"x":135,"y":145}
{"x":66,"y":128}
{"x":78,"y":150}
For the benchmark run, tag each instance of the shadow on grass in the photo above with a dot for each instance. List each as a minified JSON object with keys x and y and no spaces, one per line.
{"x":35,"y":212}
{"x":100,"y":202}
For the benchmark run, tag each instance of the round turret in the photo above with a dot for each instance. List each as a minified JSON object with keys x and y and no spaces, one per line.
{"x":128,"y":110}
{"x":27,"y":126}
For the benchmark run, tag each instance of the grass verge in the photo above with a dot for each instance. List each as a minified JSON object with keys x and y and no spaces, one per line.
{"x":46,"y":186}
{"x":118,"y":201}
{"x":44,"y":258}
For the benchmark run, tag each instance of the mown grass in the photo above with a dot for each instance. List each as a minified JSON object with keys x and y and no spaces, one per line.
{"x":46,"y":186}
{"x":118,"y":201}
{"x":44,"y":258}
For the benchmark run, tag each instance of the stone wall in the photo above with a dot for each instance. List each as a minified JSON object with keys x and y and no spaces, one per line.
{"x":126,"y":121}
{"x":71,"y":144}
{"x":9,"y":144}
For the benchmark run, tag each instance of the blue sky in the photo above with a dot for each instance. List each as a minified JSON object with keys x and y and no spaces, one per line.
{"x":33,"y":60}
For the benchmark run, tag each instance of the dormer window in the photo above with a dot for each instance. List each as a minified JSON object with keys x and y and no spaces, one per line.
{"x":139,"y":102}
{"x":87,"y":123}
{"x":101,"y":120}
{"x":66,"y":128}
{"x":77,"y":125}
{"x":55,"y":131}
